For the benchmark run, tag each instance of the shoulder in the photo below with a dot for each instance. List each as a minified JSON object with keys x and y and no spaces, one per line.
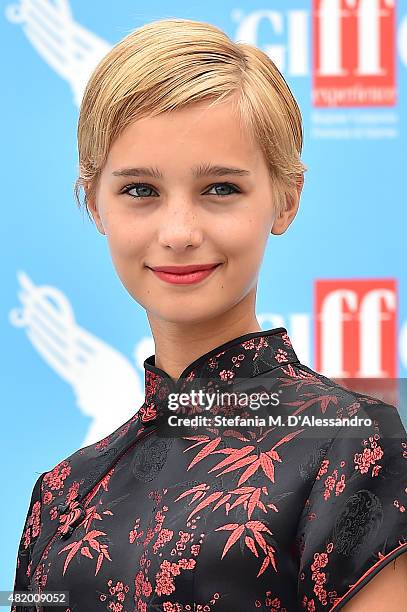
{"x":73,"y":476}
{"x":59,"y":494}
{"x":375,"y":399}
{"x":29,"y":536}
{"x":354,"y":521}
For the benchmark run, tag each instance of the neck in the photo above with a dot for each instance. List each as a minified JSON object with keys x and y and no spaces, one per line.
{"x":178,"y":345}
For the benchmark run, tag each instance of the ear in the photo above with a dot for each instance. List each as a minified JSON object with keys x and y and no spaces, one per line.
{"x":286,"y":216}
{"x":90,"y":196}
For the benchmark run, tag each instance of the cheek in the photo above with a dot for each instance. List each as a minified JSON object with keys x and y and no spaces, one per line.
{"x":125,"y":239}
{"x":245,"y":240}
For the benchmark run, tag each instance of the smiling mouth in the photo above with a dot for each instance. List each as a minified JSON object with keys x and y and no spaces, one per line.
{"x":185,"y":278}
{"x":184,"y":269}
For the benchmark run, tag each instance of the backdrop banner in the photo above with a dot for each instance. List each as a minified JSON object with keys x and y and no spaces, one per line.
{"x":73,"y":340}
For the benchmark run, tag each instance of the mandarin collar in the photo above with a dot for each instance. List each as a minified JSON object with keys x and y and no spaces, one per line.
{"x":244,"y":357}
{"x":241,"y":358}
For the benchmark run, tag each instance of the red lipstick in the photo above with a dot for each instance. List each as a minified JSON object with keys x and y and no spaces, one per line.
{"x":184,"y":275}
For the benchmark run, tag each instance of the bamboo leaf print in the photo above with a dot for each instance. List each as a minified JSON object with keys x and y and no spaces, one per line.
{"x":95,"y":544}
{"x":267,"y":465}
{"x":264,"y":566}
{"x":260,"y":540}
{"x":231,"y":433}
{"x":240,"y":500}
{"x":86,"y":552}
{"x":93,"y":534}
{"x":204,"y":452}
{"x":288,"y":438}
{"x":232,"y":539}
{"x":243,"y":490}
{"x":201,"y":440}
{"x":205,"y":502}
{"x":74,"y":549}
{"x":235,"y":455}
{"x":229,"y":526}
{"x":251,"y":545}
{"x":258,"y":526}
{"x":198,"y":491}
{"x":222,"y":501}
{"x":253,"y":502}
{"x":273,"y":455}
{"x":248,"y":472}
{"x":239,"y":464}
{"x":99,"y":562}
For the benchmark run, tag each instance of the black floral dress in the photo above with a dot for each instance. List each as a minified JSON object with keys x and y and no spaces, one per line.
{"x":234,"y":514}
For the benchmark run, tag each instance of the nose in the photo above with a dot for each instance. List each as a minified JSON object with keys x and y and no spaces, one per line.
{"x":179,"y":227}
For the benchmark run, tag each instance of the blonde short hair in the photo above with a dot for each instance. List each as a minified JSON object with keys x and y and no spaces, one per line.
{"x":170,"y":63}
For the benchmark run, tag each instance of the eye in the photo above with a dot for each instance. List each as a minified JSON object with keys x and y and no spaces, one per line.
{"x":144,"y":187}
{"x":228,"y":185}
{"x":130,"y":188}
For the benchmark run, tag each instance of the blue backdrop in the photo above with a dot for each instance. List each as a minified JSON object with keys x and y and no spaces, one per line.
{"x":59,"y":288}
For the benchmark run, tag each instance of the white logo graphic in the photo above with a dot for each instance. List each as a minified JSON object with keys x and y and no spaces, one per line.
{"x":106,"y":385}
{"x":71,"y":50}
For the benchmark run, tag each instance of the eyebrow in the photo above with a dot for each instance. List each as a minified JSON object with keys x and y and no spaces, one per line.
{"x":197,"y":171}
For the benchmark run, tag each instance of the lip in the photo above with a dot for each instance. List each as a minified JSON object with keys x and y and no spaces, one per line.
{"x":184,"y":269}
{"x":186,"y":278}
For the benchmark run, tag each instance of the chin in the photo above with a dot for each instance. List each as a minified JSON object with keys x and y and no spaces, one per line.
{"x":182,"y":316}
{"x":186,"y":313}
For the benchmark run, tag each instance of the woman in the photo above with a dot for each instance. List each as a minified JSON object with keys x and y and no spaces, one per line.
{"x":189,"y":148}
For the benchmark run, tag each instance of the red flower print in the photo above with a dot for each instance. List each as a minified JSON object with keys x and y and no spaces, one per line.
{"x":249,"y":344}
{"x":142,"y":585}
{"x":286,"y":340}
{"x":103,"y":443}
{"x":165,"y":577}
{"x":116,"y":596}
{"x":226,"y":375}
{"x":148,"y":414}
{"x":33,"y":524}
{"x":134,"y":534}
{"x":164,"y":536}
{"x":320,"y":560}
{"x":272,"y":604}
{"x":55,"y":478}
{"x":397,"y":504}
{"x":340,"y":485}
{"x":323,"y":468}
{"x":53,"y":513}
{"x":48,"y":497}
{"x":368,"y":457}
{"x":281,"y":356}
{"x":72,"y":492}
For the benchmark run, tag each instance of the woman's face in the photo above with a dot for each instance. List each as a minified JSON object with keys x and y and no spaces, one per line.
{"x":180,"y":218}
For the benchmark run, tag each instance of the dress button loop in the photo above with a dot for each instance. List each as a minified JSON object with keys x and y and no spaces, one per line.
{"x":72,"y":520}
{"x":68,"y":533}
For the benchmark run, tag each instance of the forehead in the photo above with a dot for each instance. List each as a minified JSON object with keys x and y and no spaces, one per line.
{"x":192,"y":134}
